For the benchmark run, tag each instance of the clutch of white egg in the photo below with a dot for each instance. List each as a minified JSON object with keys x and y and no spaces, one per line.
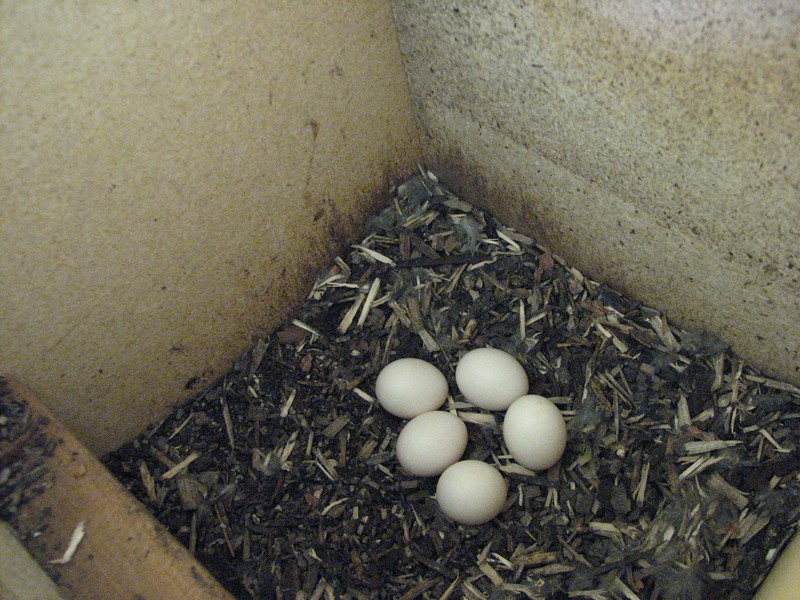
{"x":432,"y":443}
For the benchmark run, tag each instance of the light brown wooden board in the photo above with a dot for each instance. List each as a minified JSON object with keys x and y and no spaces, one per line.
{"x":175,"y":175}
{"x":125,"y":553}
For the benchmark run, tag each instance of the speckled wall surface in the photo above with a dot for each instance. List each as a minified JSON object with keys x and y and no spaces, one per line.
{"x":652,"y":144}
{"x":174,"y":176}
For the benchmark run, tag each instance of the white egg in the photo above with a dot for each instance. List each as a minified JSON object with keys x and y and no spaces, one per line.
{"x":534,"y":432}
{"x":431,"y":442}
{"x":490,"y":378}
{"x":471,"y":492}
{"x":408,"y":387}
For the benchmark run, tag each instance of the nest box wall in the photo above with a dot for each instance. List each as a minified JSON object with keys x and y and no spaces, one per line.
{"x":174,"y":176}
{"x":652,"y":144}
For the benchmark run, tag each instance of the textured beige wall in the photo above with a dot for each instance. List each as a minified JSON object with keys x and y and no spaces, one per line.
{"x":652,"y":144}
{"x":173,"y":176}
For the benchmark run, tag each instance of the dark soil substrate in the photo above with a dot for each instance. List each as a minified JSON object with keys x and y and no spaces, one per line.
{"x":24,"y":450}
{"x":680,"y":478}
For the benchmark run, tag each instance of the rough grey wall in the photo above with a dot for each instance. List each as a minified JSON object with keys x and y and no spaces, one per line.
{"x":652,"y":144}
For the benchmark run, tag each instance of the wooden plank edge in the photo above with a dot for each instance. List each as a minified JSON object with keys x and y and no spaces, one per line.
{"x":21,"y":577}
{"x":125,"y":552}
{"x":783,"y":581}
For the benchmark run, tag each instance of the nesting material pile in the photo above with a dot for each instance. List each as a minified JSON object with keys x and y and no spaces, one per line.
{"x":679,"y":480}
